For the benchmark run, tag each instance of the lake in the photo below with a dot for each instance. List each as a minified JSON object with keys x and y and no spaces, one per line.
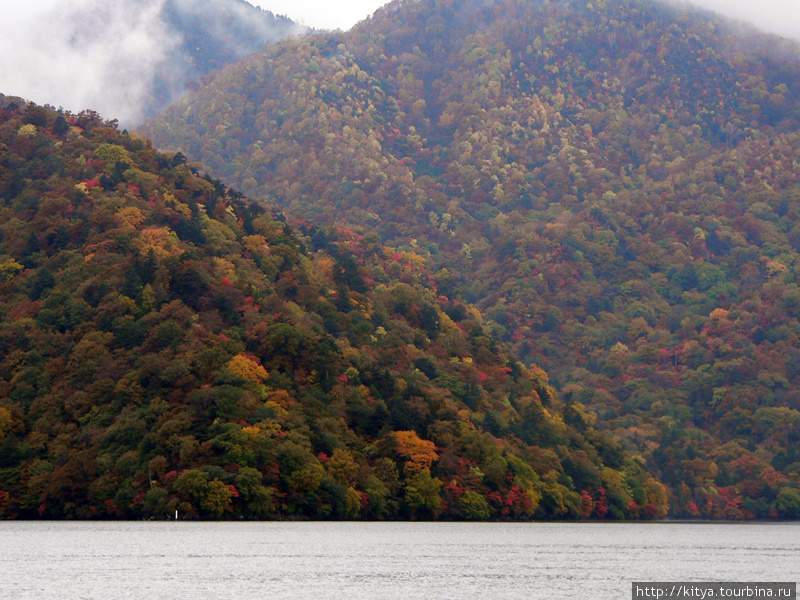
{"x":244,"y":560}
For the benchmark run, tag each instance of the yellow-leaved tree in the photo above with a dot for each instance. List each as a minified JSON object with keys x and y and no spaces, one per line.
{"x":247,"y":367}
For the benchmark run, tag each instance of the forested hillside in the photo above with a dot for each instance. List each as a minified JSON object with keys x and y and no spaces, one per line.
{"x":166,"y":344}
{"x":613,"y":184}
{"x":209,"y":35}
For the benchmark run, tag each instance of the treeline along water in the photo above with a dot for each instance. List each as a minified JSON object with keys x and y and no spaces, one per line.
{"x":224,"y":560}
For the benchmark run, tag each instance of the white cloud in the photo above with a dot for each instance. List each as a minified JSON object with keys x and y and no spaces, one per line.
{"x":322,"y":14}
{"x":97,"y":54}
{"x":776,"y":16}
{"x":781,"y":17}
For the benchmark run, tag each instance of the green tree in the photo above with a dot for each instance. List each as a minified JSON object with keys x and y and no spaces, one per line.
{"x":788,"y":503}
{"x":474,"y":506}
{"x":422,"y":494}
{"x":210,"y":498}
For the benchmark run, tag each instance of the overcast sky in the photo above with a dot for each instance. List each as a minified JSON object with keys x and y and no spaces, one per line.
{"x":777,"y":16}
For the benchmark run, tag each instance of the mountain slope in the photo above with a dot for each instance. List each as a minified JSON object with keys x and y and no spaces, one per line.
{"x":211,"y":35}
{"x":613,"y":184}
{"x":167,"y":345}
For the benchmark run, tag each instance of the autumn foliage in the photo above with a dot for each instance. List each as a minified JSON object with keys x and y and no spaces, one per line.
{"x":167,"y":344}
{"x":613,"y":185}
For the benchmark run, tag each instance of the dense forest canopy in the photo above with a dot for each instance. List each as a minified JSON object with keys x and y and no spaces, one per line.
{"x":166,"y":344}
{"x":613,"y":184}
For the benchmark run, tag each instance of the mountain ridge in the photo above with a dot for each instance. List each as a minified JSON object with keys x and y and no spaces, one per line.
{"x":612,"y":184}
{"x":168,"y":344}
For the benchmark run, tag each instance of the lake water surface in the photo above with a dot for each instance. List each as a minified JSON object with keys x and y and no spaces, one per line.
{"x":360,"y":561}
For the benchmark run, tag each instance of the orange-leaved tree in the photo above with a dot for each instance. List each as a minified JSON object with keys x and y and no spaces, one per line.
{"x":418,"y":453}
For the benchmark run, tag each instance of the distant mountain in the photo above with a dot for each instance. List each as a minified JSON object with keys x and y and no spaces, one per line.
{"x":166,"y":344}
{"x":212,"y":34}
{"x":614,"y":184}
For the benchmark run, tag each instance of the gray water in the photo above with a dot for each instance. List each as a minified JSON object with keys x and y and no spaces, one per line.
{"x":360,"y":561}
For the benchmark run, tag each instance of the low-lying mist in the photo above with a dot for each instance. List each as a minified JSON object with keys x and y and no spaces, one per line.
{"x":125,"y":59}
